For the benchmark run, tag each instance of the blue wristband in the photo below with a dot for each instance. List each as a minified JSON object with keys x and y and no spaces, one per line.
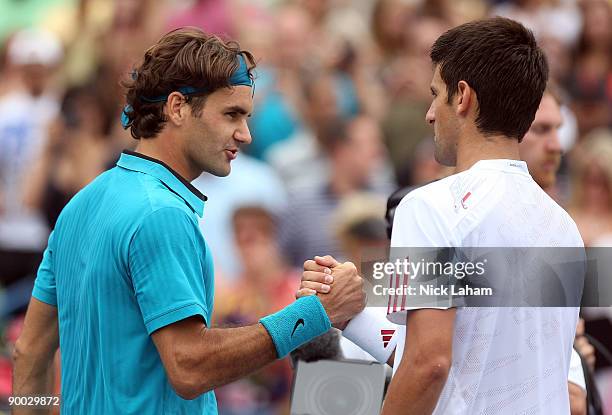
{"x":296,"y":324}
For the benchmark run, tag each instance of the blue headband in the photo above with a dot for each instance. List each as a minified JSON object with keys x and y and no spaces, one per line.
{"x":240,"y":76}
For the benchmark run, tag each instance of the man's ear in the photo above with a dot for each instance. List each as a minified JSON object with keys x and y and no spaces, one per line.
{"x":465,"y":98}
{"x":174,"y":109}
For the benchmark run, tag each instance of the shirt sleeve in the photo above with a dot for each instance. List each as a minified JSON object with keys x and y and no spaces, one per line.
{"x":45,"y":285}
{"x":416,"y":224}
{"x":167,"y":262}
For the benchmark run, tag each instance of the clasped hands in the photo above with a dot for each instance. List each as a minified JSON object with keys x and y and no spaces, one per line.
{"x":338,"y":285}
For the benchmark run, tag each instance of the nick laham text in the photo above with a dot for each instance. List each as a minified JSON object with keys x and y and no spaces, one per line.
{"x":430,"y":290}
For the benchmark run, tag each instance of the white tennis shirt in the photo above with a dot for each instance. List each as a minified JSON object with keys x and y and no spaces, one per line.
{"x":505,"y":360}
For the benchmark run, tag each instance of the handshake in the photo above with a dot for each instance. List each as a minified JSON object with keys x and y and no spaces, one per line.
{"x":339,"y":287}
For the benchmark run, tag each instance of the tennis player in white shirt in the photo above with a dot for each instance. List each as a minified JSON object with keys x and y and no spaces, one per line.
{"x":488,"y":81}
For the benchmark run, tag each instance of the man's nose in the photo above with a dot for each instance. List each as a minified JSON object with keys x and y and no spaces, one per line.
{"x":430,"y":117}
{"x":243,"y":134}
{"x":553,"y":143}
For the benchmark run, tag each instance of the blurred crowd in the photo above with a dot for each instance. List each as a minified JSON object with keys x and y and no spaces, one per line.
{"x":341,"y":93}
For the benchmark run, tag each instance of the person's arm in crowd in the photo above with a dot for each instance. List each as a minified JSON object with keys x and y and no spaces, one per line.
{"x":317,"y":278}
{"x":370,"y":93}
{"x":576,"y":381}
{"x":34,"y":353}
{"x":198,"y":359}
{"x":425,"y":365}
{"x":583,"y":346}
{"x":578,"y":399}
{"x":36,"y":180}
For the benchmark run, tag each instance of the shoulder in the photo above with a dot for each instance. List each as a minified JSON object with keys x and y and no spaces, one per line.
{"x":568,"y":229}
{"x":169,"y":221}
{"x":423,"y":217}
{"x":433,"y":198}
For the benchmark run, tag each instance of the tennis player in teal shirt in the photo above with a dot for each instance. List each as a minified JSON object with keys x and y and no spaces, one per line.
{"x":126,"y":285}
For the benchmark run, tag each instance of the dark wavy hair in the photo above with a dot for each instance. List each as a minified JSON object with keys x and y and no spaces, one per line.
{"x":500,"y":59}
{"x":183,"y":57}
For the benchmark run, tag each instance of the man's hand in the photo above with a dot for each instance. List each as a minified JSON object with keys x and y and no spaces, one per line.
{"x":347,"y":297}
{"x":317,"y":276}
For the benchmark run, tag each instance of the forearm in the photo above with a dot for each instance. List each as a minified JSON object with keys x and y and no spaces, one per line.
{"x":425,"y":365}
{"x":232,"y":354}
{"x":198,"y":359}
{"x":33,"y":375}
{"x":415,"y":392}
{"x":33,"y":356}
{"x":35,"y":182}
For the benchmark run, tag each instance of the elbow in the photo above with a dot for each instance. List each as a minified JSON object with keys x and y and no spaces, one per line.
{"x":433,"y":370}
{"x":439,"y":369}
{"x":185,"y":390}
{"x":39,"y":354}
{"x":187,"y":377}
{"x":18,"y":352}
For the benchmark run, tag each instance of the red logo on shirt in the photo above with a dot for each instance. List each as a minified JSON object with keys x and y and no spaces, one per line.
{"x":386,"y":337}
{"x":467,"y":195}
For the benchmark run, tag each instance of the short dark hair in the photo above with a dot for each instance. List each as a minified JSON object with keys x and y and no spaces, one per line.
{"x":501,"y":61}
{"x":185,"y":57}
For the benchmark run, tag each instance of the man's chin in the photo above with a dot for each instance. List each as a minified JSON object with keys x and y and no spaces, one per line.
{"x":220,"y":172}
{"x":546,"y":181}
{"x":445,"y":160}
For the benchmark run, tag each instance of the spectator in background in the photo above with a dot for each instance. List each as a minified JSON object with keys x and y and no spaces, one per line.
{"x":77,"y":151}
{"x":25,"y":114}
{"x":135,"y":25}
{"x":303,"y":49}
{"x":591,"y":205}
{"x":541,"y":147}
{"x":590,"y":83}
{"x":360,"y":227}
{"x":355,"y":151}
{"x":251,"y":182}
{"x":278,"y":94}
{"x":214,"y":16}
{"x":303,"y":151}
{"x":389,"y":18}
{"x":407,"y":82}
{"x":266,"y":283}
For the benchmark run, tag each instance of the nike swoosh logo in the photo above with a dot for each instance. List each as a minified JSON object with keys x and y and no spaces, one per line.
{"x":297,"y":323}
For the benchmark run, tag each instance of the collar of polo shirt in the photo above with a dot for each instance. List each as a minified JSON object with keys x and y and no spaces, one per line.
{"x":177,"y":184}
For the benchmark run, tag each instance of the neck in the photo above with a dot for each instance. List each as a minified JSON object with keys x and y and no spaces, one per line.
{"x":476,"y":147}
{"x":169,"y":154}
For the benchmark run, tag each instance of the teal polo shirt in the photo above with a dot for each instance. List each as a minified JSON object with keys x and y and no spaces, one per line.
{"x":126,"y":258}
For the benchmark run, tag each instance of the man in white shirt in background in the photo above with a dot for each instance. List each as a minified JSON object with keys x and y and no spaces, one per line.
{"x":26,"y":112}
{"x":488,"y":82}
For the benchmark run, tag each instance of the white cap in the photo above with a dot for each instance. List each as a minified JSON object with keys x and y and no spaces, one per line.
{"x":34,"y":46}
